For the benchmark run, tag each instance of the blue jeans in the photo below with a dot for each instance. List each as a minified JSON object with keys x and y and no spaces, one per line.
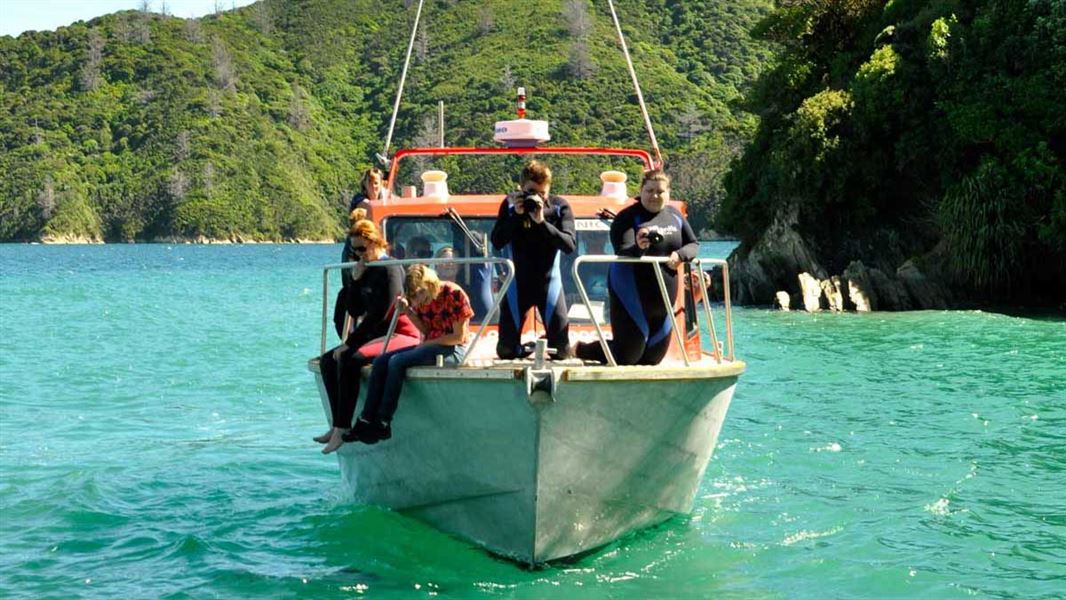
{"x":389,"y":370}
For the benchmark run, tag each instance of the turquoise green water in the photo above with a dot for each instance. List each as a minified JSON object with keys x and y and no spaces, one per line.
{"x":156,"y":416}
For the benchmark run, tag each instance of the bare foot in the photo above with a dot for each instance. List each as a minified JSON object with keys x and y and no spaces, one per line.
{"x":335,"y":441}
{"x":322,"y":439}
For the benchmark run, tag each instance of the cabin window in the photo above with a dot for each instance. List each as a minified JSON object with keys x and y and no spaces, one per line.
{"x":593,"y":237}
{"x":428,"y":237}
{"x":433,"y":237}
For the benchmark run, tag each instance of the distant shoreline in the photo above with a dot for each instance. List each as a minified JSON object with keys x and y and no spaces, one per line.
{"x":205,"y":241}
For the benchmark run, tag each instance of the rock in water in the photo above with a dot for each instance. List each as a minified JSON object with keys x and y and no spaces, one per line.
{"x":833,"y":290}
{"x":926,"y":293}
{"x":811,"y":289}
{"x":891,"y":295}
{"x":784,"y":301}
{"x":860,"y":288}
{"x":772,"y":263}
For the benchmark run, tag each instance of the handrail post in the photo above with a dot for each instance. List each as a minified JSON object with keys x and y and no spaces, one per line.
{"x":728,"y":309}
{"x":669,"y":305}
{"x":588,"y":306}
{"x":715,"y":350}
{"x":325,"y":308}
{"x":392,"y":328}
{"x":495,"y":305}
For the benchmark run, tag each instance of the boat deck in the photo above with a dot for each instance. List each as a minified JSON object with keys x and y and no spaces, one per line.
{"x":574,"y":369}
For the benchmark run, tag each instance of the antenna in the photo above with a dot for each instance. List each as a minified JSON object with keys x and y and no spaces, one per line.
{"x":399,"y":92}
{"x":440,"y":121}
{"x":636,"y":84}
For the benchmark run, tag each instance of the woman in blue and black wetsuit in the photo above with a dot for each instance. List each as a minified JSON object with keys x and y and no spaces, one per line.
{"x":640,"y":322}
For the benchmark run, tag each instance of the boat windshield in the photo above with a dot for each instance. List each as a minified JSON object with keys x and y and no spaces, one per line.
{"x":441,"y":237}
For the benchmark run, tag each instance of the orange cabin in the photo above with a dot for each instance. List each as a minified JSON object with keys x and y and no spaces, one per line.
{"x":418,"y":224}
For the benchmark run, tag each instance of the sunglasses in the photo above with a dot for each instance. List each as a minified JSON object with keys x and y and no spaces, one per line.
{"x":359,"y":249}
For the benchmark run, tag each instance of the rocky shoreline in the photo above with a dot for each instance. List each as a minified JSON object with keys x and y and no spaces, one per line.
{"x":782,"y":270}
{"x":235,"y":239}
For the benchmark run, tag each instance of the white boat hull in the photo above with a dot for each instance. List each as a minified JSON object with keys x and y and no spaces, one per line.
{"x":535,"y":477}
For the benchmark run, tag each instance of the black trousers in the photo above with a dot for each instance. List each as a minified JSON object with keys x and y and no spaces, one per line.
{"x":550,"y":301}
{"x":341,"y":379}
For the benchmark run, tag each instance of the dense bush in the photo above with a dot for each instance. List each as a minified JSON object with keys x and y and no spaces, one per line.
{"x":921,"y":121}
{"x":255,"y":123}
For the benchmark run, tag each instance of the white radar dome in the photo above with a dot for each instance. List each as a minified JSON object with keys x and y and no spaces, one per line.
{"x":522,"y":132}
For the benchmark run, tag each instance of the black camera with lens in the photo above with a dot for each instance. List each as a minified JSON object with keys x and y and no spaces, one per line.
{"x":654,"y":237}
{"x":529,"y":203}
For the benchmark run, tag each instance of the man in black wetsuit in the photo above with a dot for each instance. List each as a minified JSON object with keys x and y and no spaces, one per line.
{"x":533,"y":229}
{"x":640,"y":322}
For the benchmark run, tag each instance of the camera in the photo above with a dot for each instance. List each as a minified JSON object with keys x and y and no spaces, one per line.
{"x":654,"y":237}
{"x":529,"y":203}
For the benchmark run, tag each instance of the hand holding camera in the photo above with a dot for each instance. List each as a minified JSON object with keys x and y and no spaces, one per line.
{"x":529,"y":204}
{"x":648,"y":237}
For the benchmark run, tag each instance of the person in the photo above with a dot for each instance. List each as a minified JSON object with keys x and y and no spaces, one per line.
{"x":447,"y":271}
{"x":369,"y":189}
{"x":441,"y":311}
{"x":340,"y":305}
{"x":641,"y":324}
{"x":419,"y":247}
{"x":369,"y":296}
{"x":534,"y":228}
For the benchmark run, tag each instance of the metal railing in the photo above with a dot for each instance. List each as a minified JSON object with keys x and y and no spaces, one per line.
{"x":667,"y":301}
{"x":697,"y":264}
{"x":497,"y":298}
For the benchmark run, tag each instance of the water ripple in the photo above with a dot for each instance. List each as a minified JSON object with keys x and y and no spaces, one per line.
{"x":154,"y":426}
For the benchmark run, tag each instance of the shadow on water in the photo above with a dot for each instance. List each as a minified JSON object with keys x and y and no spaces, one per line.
{"x":1050,"y":315}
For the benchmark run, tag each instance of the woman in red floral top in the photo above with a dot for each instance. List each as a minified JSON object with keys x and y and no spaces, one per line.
{"x":442,"y":312}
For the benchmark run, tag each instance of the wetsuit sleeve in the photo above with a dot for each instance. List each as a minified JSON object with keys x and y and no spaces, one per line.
{"x":396,"y":277}
{"x":503,"y":230}
{"x":356,"y":200}
{"x":376,"y":307}
{"x":346,"y":253}
{"x":563,"y":237}
{"x":690,"y":246}
{"x":623,"y":238}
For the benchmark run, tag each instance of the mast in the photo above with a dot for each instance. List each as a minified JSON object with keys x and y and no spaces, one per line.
{"x":636,"y":85}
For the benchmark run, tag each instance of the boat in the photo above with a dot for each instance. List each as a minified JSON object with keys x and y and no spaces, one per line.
{"x":538,"y":460}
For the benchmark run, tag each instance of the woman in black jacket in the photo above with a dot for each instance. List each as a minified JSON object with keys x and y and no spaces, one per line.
{"x":641,"y":325}
{"x":368,"y":299}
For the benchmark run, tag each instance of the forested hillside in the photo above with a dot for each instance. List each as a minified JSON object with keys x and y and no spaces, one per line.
{"x":254,"y":123}
{"x":932,"y":130}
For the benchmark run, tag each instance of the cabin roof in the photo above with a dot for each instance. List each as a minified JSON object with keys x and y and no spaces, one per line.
{"x":488,"y":205}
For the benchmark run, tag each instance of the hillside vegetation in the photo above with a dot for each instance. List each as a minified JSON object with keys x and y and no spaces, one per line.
{"x":913,"y":128}
{"x":253,"y":124}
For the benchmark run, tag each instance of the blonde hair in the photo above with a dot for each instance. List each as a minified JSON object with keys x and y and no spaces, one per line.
{"x":420,"y":277}
{"x":365,"y":182}
{"x":655,"y":175}
{"x":537,"y":172}
{"x":360,"y":226}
